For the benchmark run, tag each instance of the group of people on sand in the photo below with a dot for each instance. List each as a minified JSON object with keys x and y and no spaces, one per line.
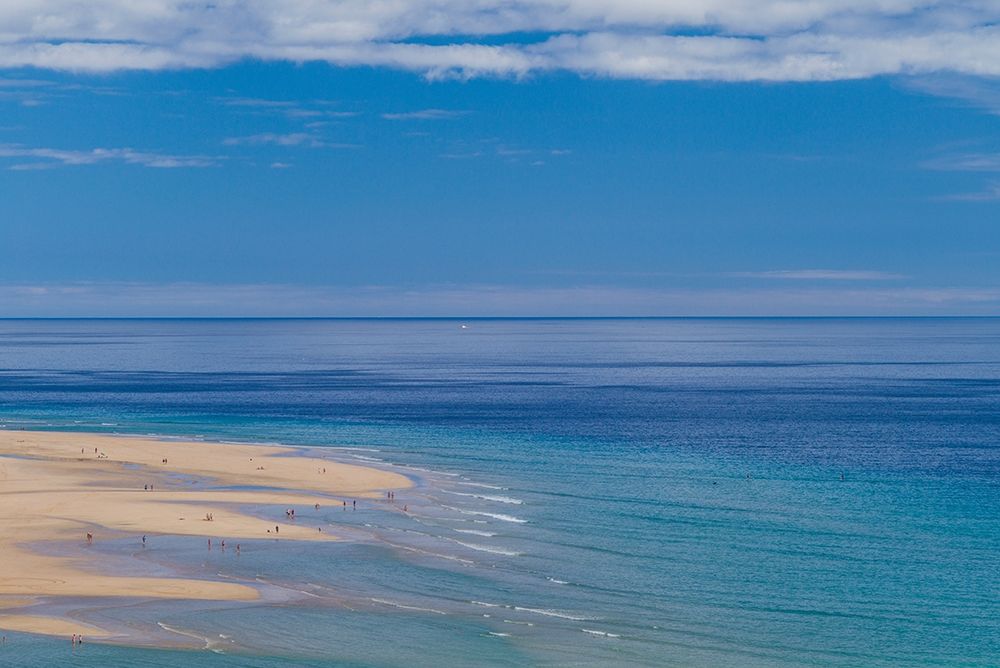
{"x":76,"y":639}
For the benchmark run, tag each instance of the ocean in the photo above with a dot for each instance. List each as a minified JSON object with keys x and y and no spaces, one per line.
{"x":634,"y":492}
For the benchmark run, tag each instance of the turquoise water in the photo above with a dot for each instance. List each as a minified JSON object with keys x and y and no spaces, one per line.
{"x":590,"y":492}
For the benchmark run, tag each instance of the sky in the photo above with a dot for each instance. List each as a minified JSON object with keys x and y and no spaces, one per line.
{"x":499,"y":158}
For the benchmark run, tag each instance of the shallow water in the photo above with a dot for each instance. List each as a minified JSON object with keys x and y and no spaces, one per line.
{"x":591,"y":492}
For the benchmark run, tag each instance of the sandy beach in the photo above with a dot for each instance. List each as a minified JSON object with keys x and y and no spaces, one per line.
{"x":58,"y":486}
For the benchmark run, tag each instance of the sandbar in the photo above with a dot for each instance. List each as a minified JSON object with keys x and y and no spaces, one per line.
{"x":61,"y":486}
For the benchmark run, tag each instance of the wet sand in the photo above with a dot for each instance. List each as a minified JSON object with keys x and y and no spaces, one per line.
{"x":57,"y":486}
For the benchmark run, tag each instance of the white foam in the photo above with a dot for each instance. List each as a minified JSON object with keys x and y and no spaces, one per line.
{"x":417,"y":468}
{"x":394,"y":604}
{"x":499,"y":635}
{"x":483,"y":485}
{"x":603,"y":634}
{"x":432,"y":554}
{"x":476,"y":532}
{"x":558,"y":582}
{"x":488,"y":497}
{"x":496,"y":516}
{"x":485,"y":548}
{"x":553,"y":613}
{"x":188,"y":634}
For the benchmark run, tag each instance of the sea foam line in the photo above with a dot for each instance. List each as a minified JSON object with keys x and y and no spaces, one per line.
{"x":394,"y":604}
{"x":537,"y":611}
{"x":483,"y":485}
{"x":496,"y":516}
{"x":554,"y":613}
{"x":603,"y":634}
{"x":488,"y":497}
{"x":485,"y":548}
{"x":188,"y":634}
{"x":476,"y":532}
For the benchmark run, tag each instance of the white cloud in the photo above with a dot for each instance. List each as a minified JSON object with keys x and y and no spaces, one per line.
{"x":991,"y":193}
{"x":978,"y":93}
{"x":424,"y":115}
{"x":966,"y":162}
{"x":44,"y":158}
{"x":303,"y":139}
{"x":291,"y":139}
{"x":733,"y":40}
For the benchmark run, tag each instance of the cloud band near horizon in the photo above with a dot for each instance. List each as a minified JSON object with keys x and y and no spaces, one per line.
{"x":283,"y":300}
{"x":721,"y":40}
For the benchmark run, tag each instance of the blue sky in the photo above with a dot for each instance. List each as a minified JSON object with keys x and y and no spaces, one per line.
{"x":550,"y":178}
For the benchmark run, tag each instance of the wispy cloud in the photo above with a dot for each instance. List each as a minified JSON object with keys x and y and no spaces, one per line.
{"x":45,"y":158}
{"x":256,"y":103}
{"x":976,"y":92}
{"x":300,"y":109}
{"x":965,"y":162}
{"x":821,"y":275}
{"x":25,"y":83}
{"x":290,"y":139}
{"x":991,"y":193}
{"x":425,"y":115}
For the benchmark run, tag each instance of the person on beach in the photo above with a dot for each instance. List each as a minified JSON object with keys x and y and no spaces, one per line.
{"x":210,"y":543}
{"x":355,"y":504}
{"x":237,"y":548}
{"x":90,"y":538}
{"x":275,"y":528}
{"x":144,"y":541}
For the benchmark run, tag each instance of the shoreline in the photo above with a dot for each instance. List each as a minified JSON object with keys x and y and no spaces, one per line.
{"x":83,"y":487}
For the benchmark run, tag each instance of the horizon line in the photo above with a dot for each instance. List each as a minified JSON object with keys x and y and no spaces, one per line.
{"x":514,"y":317}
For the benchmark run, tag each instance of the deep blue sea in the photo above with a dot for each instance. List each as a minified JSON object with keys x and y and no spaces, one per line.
{"x":661,"y":492}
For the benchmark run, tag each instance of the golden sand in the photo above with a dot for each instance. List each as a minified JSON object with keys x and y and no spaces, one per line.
{"x":57,"y":486}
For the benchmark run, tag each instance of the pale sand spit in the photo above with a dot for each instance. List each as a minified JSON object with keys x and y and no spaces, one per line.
{"x":58,"y":486}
